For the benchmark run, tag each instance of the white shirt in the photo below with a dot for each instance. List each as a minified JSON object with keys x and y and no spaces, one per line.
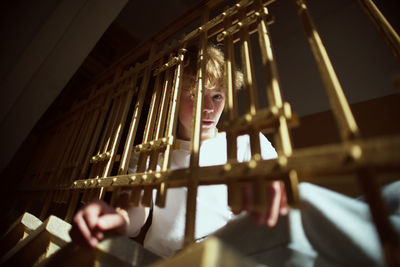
{"x":166,"y":233}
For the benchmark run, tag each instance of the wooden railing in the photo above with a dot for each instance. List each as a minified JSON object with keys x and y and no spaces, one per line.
{"x":84,"y":154}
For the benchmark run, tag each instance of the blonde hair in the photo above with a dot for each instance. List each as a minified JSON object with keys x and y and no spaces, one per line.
{"x":214,"y":68}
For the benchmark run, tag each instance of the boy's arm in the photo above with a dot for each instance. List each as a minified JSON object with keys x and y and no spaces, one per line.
{"x":136,"y":217}
{"x":94,"y":220}
{"x":277,"y":203}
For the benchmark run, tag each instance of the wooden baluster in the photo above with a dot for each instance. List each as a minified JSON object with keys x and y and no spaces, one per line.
{"x":386,"y":30}
{"x":234,"y":194}
{"x":147,"y":199}
{"x":123,"y":169}
{"x":135,"y":195}
{"x":193,"y":183}
{"x":282,"y":137}
{"x":259,"y":185}
{"x":171,"y":125}
{"x":341,"y":109}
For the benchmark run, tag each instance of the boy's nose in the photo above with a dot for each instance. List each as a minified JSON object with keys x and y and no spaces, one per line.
{"x":208,"y":104}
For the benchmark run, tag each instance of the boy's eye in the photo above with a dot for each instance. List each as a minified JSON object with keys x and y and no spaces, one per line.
{"x":218,"y":97}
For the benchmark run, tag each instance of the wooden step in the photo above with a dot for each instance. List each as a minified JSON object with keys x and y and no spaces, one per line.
{"x":19,"y":230}
{"x":39,"y":244}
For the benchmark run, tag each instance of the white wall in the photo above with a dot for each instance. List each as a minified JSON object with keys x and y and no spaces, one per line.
{"x":45,"y":45}
{"x":362,"y":61}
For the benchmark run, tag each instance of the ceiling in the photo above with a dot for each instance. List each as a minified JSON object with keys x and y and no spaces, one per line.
{"x":137,"y":22}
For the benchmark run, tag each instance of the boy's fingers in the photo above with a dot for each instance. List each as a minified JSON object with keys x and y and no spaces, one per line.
{"x":273,"y":212}
{"x":260,"y":218}
{"x":247,"y":197}
{"x":277,"y":203}
{"x":112,"y":221}
{"x":92,"y":212}
{"x":81,"y":229}
{"x":84,"y":230}
{"x":98,"y":234}
{"x":284,"y":207}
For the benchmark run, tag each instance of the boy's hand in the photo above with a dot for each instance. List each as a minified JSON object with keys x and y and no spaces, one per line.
{"x":92,"y":221}
{"x":278,"y":205}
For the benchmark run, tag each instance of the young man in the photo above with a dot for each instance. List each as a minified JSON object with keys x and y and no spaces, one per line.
{"x":165,"y":235}
{"x":332,"y":229}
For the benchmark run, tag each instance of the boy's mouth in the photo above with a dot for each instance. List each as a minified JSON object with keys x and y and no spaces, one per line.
{"x":208,"y":123}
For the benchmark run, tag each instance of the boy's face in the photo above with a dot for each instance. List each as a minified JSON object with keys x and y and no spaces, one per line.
{"x":213,"y":105}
